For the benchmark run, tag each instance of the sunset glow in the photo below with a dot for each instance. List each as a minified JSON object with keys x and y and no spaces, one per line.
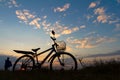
{"x":88,"y":27}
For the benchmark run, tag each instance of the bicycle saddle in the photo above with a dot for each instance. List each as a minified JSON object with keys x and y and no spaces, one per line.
{"x":35,"y":50}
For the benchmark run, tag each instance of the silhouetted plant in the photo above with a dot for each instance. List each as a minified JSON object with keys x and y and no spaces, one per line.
{"x":80,"y":60}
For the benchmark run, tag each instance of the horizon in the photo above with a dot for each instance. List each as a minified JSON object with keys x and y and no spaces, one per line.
{"x":88,"y":27}
{"x":86,"y":61}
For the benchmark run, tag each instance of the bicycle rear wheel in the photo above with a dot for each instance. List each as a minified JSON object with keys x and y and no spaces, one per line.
{"x":24,"y":63}
{"x":63,"y":61}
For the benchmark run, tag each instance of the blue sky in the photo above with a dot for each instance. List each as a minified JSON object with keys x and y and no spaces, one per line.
{"x":88,"y":27}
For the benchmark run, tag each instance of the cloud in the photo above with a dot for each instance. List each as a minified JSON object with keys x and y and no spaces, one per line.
{"x":101,"y":15}
{"x":2,"y":0}
{"x":35,"y":22}
{"x":58,"y":26}
{"x":102,"y":18}
{"x":28,"y":14}
{"x":79,"y":43}
{"x":114,"y":21}
{"x":44,"y":17}
{"x":12,"y":3}
{"x":61,"y":9}
{"x":20,"y":14}
{"x":83,"y":26}
{"x":46,"y":26}
{"x":60,"y":29}
{"x":24,"y":15}
{"x":91,"y":33}
{"x":89,"y":42}
{"x":28,"y":18}
{"x":69,"y":49}
{"x":118,"y":35}
{"x":69,"y":31}
{"x":94,"y":4}
{"x":118,"y":1}
{"x":117,"y":27}
{"x":99,"y":11}
{"x":89,"y":16}
{"x":64,"y":30}
{"x":106,"y":54}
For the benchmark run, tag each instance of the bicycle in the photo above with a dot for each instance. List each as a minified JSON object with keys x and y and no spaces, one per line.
{"x":58,"y":59}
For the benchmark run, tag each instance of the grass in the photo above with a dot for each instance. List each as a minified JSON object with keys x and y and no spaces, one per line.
{"x":99,"y":71}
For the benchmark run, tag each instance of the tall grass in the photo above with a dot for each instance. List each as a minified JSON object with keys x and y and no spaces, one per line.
{"x":100,"y":70}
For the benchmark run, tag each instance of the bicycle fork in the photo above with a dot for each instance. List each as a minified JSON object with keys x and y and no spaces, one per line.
{"x":61,"y":60}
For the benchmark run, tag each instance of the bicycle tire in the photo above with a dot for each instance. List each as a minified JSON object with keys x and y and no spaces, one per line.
{"x":69,"y":58}
{"x":27,"y":63}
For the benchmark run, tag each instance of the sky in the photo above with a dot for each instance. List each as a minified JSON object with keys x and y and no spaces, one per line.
{"x":89,"y":27}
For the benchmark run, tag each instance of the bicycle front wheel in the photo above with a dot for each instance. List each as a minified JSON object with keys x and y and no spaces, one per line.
{"x":24,"y":63}
{"x":63,"y":61}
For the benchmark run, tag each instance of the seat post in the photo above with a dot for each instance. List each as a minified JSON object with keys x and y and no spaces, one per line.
{"x":36,"y":57}
{"x":35,"y":52}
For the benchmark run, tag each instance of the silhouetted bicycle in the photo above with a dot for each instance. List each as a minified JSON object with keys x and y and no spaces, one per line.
{"x":59,"y":60}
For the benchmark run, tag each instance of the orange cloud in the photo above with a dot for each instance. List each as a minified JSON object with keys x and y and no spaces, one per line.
{"x":99,"y":11}
{"x":69,"y":31}
{"x":89,"y":42}
{"x":92,"y":5}
{"x":102,"y":17}
{"x":68,"y":49}
{"x":59,"y":28}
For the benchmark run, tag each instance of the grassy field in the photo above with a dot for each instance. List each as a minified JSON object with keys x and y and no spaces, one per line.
{"x":99,"y":71}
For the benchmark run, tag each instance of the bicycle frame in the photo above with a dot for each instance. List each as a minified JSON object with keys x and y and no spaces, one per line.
{"x":51,"y":57}
{"x":52,"y":49}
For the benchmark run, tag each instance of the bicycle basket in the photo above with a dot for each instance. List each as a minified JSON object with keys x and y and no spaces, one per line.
{"x":61,"y":46}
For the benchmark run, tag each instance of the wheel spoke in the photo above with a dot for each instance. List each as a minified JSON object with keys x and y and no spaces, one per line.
{"x":65,"y":61}
{"x":25,"y":62}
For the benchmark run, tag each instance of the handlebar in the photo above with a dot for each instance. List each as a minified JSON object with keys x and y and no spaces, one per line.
{"x":53,"y":38}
